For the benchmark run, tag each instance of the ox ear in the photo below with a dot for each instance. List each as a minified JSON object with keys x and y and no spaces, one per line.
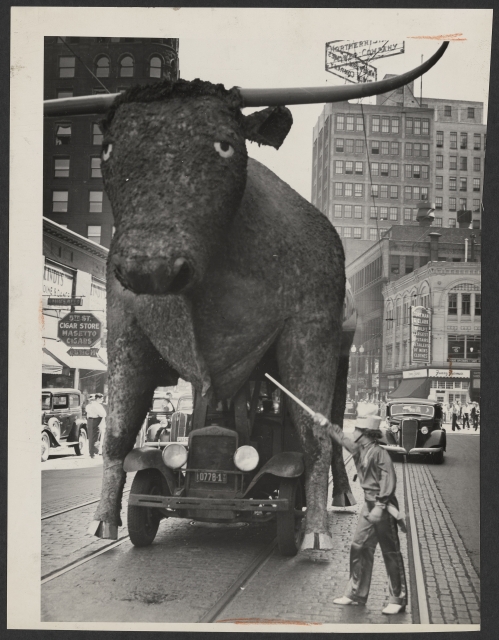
{"x":269,"y":126}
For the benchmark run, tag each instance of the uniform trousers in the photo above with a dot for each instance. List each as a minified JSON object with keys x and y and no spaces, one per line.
{"x":93,"y":435}
{"x":366,"y":538}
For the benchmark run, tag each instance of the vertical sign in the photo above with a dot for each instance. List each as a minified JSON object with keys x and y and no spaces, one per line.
{"x":420,"y":335}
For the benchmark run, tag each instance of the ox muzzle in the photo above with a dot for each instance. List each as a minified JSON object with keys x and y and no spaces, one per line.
{"x":154,"y":276}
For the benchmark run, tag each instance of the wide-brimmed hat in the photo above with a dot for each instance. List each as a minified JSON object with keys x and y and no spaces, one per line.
{"x":368,"y":422}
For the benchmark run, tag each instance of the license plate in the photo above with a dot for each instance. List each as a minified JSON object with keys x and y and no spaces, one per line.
{"x":211,"y":476}
{"x":183,"y":439}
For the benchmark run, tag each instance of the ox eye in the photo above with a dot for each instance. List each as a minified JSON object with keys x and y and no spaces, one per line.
{"x":224,"y":149}
{"x":106,"y":152}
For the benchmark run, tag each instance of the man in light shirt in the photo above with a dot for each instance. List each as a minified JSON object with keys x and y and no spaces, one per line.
{"x":95,"y":414}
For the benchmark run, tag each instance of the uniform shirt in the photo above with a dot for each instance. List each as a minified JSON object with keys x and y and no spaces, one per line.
{"x":95,"y":410}
{"x":374,"y":466}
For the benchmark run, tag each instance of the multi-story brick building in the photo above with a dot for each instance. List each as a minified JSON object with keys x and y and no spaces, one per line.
{"x":375,"y":166}
{"x":77,"y":66}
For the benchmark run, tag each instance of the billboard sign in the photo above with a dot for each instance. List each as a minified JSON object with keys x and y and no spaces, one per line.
{"x":79,"y":330}
{"x":420,"y":335}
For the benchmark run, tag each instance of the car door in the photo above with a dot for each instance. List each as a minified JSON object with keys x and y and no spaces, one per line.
{"x":61,"y":412}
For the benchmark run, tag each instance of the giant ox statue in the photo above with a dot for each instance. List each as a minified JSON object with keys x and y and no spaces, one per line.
{"x":214,"y":261}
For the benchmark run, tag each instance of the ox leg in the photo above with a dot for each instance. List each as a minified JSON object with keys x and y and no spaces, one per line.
{"x":133,"y":376}
{"x":308,"y":359}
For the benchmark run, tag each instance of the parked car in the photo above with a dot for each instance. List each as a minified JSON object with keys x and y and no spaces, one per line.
{"x":162,"y":407}
{"x":63,"y":423}
{"x":181,"y":422}
{"x":414,"y":428}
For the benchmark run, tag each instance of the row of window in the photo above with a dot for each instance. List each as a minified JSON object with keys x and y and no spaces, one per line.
{"x":62,"y":167}
{"x":349,"y":167}
{"x":60,"y":200}
{"x":126,"y":66}
{"x":382,"y":147}
{"x":463,"y":140}
{"x":383,"y":124}
{"x":463,"y":183}
{"x":459,"y":347}
{"x":450,"y":384}
{"x":448,"y":112}
{"x":463,"y":204}
{"x":463,"y":302}
{"x":463,"y":163}
{"x":63,"y":134}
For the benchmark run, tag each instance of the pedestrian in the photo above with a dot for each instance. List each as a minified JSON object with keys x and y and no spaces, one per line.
{"x":466,"y":414}
{"x":476,"y":416}
{"x":95,"y":414}
{"x":456,"y":411}
{"x":378,"y":518}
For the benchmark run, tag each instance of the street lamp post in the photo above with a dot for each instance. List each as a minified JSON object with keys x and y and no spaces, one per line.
{"x":357,"y":355}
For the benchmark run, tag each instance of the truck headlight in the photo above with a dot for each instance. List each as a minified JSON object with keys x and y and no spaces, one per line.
{"x":174,"y":455}
{"x":246,"y":458}
{"x":424,"y":430}
{"x":394,"y":428}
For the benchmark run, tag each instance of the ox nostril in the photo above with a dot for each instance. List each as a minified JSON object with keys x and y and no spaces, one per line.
{"x":183,"y":275}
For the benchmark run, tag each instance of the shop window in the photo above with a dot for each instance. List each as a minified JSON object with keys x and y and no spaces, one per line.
{"x":126,"y":67}
{"x":94,"y":232}
{"x":60,"y":201}
{"x":62,"y":134}
{"x":61,"y":167}
{"x":67,"y":66}
{"x":102,"y":67}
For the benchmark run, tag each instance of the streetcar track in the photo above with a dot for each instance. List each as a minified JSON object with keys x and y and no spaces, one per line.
{"x":78,"y":506}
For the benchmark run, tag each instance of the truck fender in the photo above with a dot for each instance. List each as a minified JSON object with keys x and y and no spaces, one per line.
{"x":75,"y":431}
{"x":437,"y":439}
{"x":288,"y":464}
{"x":150,"y":458}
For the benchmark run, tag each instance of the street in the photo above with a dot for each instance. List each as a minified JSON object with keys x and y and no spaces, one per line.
{"x":191,"y":566}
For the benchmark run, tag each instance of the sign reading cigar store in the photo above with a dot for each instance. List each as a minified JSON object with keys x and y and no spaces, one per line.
{"x":79,"y":329}
{"x":420,"y":335}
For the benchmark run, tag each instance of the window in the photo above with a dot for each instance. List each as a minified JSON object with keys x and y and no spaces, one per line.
{"x":338,"y":166}
{"x":60,"y":201}
{"x":453,"y":139}
{"x":453,"y":163}
{"x":439,"y":202}
{"x":67,"y":66}
{"x":349,"y":167}
{"x":415,"y":193}
{"x":476,"y":164}
{"x":373,"y":212}
{"x":348,"y":189}
{"x":359,"y":190}
{"x":95,"y":201}
{"x":62,"y":134}
{"x":359,"y":123}
{"x":394,"y":148}
{"x":395,"y":265}
{"x":357,"y":211}
{"x":464,"y":347}
{"x":65,"y":93}
{"x":340,"y":122}
{"x":126,"y":67}
{"x":425,"y":150}
{"x":339,"y":145}
{"x":338,"y":188}
{"x":452,"y":223}
{"x":357,"y":233}
{"x":416,"y":149}
{"x":408,"y":170}
{"x":350,"y":123}
{"x":476,"y":205}
{"x":425,"y":172}
{"x":394,"y":191}
{"x":96,"y":134}
{"x":452,"y":204}
{"x":375,"y":124}
{"x":102,"y":67}
{"x":155,"y":67}
{"x":463,"y":163}
{"x":347,"y":211}
{"x":466,"y":304}
{"x":471,"y":113}
{"x":375,"y":190}
{"x":478,"y":304}
{"x":408,"y":193}
{"x":384,"y":169}
{"x":373,"y":234}
{"x":383,"y":191}
{"x":477,"y":141}
{"x":463,"y":184}
{"x":337,"y":210}
{"x":416,"y":171}
{"x":347,"y":232}
{"x":374,"y":147}
{"x":359,"y":146}
{"x":95,"y":168}
{"x":476,"y":184}
{"x":452,"y":183}
{"x":394,"y":170}
{"x":394,"y":213}
{"x":464,"y":140}
{"x":349,"y":146}
{"x":409,"y":125}
{"x":61,"y":167}
{"x":94,"y":232}
{"x":375,"y":168}
{"x":462,"y":204}
{"x":424,"y":193}
{"x":385,"y":125}
{"x":385,"y":148}
{"x":440,"y":139}
{"x":437,"y":222}
{"x":395,"y":125}
{"x":439,"y":162}
{"x":383,"y":213}
{"x":359,"y":168}
{"x":389,"y":357}
{"x":447,"y":111}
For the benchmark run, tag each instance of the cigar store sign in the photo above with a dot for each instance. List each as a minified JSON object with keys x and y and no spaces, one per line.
{"x":420,"y":335}
{"x":79,"y":329}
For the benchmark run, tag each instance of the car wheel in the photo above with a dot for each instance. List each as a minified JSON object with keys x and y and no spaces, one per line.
{"x":81,"y":447}
{"x":45,"y":447}
{"x":289,"y":523}
{"x":438,"y":457}
{"x":143,"y":522}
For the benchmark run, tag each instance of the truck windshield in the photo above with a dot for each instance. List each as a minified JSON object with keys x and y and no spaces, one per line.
{"x":421,"y":409}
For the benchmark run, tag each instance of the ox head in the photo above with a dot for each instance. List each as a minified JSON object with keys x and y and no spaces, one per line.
{"x":174,"y":167}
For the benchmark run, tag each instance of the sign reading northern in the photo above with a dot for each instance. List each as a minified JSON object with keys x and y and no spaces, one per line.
{"x":79,"y":329}
{"x":349,"y":59}
{"x":420,"y":335}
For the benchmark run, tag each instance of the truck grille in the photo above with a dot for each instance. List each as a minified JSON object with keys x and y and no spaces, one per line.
{"x":214,"y":452}
{"x":409,"y":433}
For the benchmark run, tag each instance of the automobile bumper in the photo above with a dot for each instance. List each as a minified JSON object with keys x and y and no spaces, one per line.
{"x":220,"y":504}
{"x":394,"y":448}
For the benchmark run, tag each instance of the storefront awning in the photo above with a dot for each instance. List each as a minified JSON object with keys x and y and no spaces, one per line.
{"x":415,"y":388}
{"x":49,"y":365}
{"x":59,"y":352}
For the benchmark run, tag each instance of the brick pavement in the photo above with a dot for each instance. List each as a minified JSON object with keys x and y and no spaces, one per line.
{"x":452,"y":582}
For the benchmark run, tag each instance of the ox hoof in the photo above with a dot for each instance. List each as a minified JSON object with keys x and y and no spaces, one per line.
{"x":103,"y":530}
{"x":317,"y":542}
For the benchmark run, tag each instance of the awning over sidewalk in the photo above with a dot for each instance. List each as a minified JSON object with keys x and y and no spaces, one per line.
{"x":59,"y":352}
{"x":415,"y":388}
{"x":49,"y":365}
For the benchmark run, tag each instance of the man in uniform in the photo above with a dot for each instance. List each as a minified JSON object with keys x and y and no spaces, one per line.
{"x":378,"y":518}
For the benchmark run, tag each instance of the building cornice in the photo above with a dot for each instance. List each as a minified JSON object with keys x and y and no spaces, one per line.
{"x":73,"y":239}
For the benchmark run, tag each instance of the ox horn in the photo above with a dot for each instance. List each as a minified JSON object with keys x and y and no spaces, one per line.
{"x":100,"y":103}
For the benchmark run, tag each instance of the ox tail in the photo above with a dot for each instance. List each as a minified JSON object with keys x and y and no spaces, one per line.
{"x":342,"y":494}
